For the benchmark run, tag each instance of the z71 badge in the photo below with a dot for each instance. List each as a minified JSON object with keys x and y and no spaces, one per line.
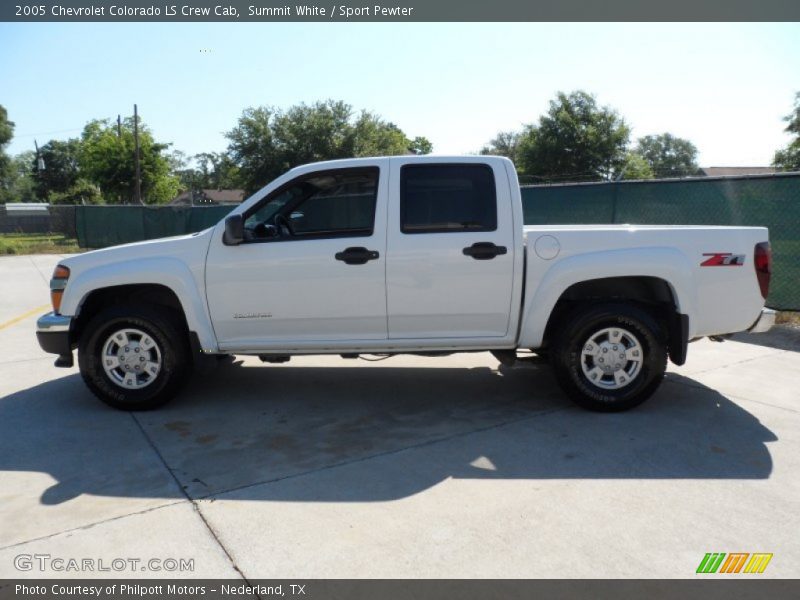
{"x":722,"y":259}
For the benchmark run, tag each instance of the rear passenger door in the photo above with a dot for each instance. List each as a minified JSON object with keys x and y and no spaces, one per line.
{"x":450,"y":248}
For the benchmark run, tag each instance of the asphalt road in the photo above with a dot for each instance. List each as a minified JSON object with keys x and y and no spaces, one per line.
{"x":409,"y":467}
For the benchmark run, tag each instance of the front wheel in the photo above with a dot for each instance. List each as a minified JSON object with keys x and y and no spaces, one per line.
{"x":610,"y":357}
{"x":134,"y":357}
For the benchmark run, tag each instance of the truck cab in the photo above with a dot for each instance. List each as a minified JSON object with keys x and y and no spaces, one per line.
{"x":389,"y":254}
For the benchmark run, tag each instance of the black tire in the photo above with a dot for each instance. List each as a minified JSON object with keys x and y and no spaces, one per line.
{"x":638,"y":382}
{"x":172,"y":344}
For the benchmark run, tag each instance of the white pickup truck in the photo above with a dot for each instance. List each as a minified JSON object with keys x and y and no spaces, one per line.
{"x":406,"y":255}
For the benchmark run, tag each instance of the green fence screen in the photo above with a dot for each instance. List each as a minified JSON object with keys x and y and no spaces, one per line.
{"x":101,"y":226}
{"x":771,"y":201}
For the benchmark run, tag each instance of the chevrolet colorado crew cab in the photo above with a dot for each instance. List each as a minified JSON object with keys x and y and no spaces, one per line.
{"x":406,"y":255}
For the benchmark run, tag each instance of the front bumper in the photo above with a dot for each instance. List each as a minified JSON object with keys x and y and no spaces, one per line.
{"x":764,"y":322}
{"x":52,"y":332}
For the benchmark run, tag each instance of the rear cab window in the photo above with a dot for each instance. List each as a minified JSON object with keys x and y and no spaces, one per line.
{"x":447,"y":198}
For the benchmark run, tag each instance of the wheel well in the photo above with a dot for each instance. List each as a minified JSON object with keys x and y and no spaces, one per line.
{"x":651,"y":293}
{"x":140,"y":293}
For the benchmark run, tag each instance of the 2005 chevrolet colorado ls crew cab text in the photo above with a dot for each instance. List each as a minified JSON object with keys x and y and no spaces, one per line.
{"x":409,"y":254}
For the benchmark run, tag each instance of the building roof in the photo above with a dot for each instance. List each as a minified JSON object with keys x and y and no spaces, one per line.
{"x":27,"y":209}
{"x":728,"y":171}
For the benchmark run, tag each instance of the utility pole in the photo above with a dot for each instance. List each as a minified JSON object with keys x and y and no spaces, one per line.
{"x":138,"y":188}
{"x":119,"y":137}
{"x":39,"y":159}
{"x":39,"y":164}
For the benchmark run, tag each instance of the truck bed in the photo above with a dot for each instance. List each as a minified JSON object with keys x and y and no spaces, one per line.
{"x":717,"y":298}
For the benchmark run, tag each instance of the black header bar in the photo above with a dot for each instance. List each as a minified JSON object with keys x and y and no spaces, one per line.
{"x":704,"y":587}
{"x":241,"y":11}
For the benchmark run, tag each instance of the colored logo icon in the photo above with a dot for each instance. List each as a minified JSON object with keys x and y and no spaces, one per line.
{"x":734,"y":562}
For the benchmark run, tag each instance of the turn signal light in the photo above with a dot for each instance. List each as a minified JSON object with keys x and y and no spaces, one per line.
{"x":55,"y":299}
{"x":57,"y":285}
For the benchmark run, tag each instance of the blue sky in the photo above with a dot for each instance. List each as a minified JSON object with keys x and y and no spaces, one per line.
{"x":723,"y":86}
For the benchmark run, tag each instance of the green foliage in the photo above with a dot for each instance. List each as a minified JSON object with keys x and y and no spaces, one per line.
{"x":6,"y":133}
{"x":371,"y":136}
{"x":788,"y":159}
{"x":6,"y":128}
{"x":60,"y":171}
{"x":82,"y":171}
{"x":217,"y":171}
{"x":420,"y":145}
{"x":107,"y":160}
{"x":214,"y":171}
{"x":265,"y":143}
{"x":506,"y":143}
{"x":59,"y":182}
{"x":635,"y":167}
{"x":80,"y":192}
{"x":268,"y":141}
{"x":668,"y":156}
{"x":794,"y":117}
{"x":178,"y":161}
{"x":252,"y":148}
{"x":18,"y":184}
{"x":575,"y":140}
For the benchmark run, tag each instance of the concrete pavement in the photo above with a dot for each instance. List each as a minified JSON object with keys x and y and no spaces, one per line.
{"x":409,"y":467}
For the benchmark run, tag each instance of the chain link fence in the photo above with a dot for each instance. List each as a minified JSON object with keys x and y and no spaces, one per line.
{"x":54,"y":219}
{"x":771,"y":201}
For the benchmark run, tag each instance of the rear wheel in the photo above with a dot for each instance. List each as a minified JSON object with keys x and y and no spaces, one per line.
{"x":610,"y":357}
{"x":134,"y":357}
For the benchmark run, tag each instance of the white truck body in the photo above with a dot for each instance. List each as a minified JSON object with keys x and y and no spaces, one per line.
{"x":418,"y":291}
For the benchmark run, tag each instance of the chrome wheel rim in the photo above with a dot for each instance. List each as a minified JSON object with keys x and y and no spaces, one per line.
{"x":131,"y":358}
{"x":612,"y":358}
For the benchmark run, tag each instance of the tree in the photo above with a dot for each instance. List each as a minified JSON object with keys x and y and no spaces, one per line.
{"x":788,"y":159}
{"x":505,"y":143}
{"x":108,"y":160}
{"x":60,"y":171}
{"x":420,"y":145}
{"x":6,"y":133}
{"x":668,"y":155}
{"x":575,"y":140}
{"x":635,"y":167}
{"x":268,"y":141}
{"x":372,"y":136}
{"x":188,"y":177}
{"x":213,"y":170}
{"x":217,"y":171}
{"x":19,"y":183}
{"x":253,"y":149}
{"x":223,"y":172}
{"x":82,"y":191}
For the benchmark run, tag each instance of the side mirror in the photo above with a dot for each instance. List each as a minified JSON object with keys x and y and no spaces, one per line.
{"x":234,"y":231}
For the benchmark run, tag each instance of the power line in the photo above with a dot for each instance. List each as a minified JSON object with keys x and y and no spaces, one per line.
{"x":18,"y":135}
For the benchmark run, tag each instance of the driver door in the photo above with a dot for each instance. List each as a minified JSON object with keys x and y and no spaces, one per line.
{"x":311,"y":269}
